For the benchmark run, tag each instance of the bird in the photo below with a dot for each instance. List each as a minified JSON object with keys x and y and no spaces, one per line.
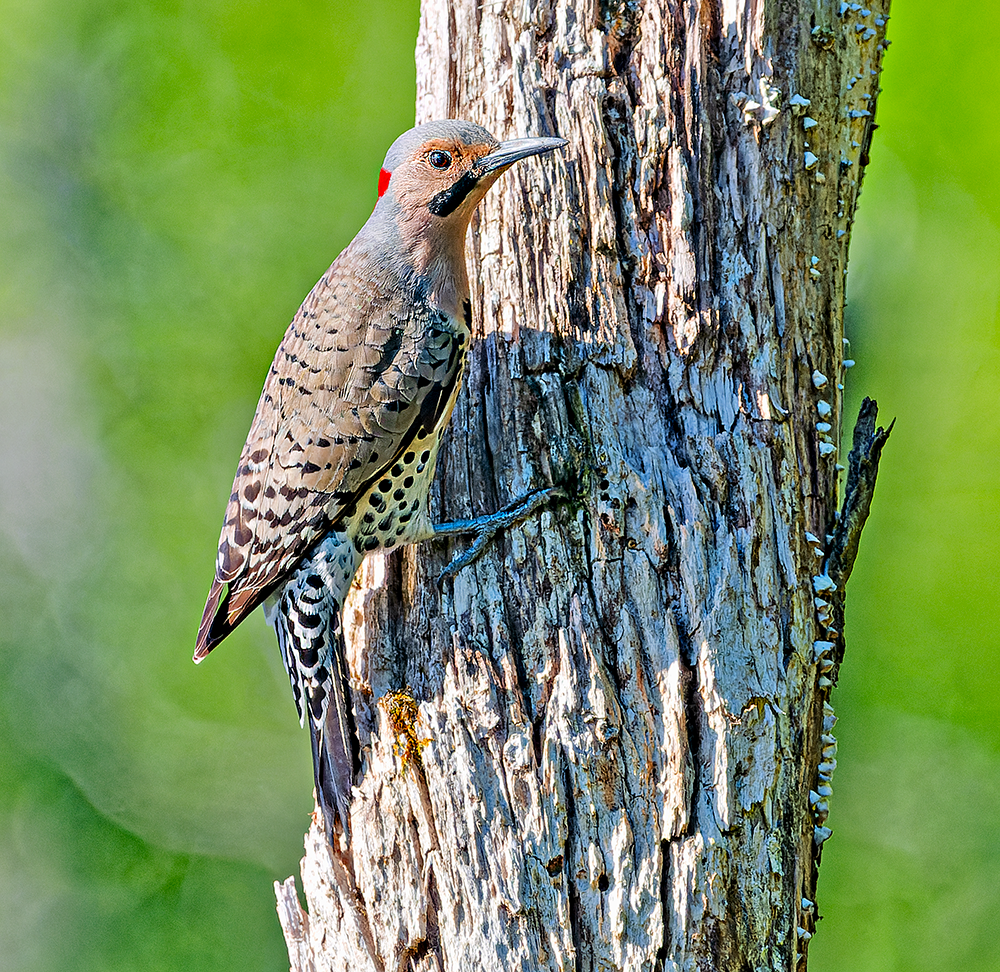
{"x":342,"y":448}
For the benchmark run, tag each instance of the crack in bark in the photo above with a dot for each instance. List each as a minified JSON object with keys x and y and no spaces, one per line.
{"x":620,"y":23}
{"x":686,"y":116}
{"x":453,"y":93}
{"x":430,"y":945}
{"x":342,"y":871}
{"x":621,"y":140}
{"x":397,"y":613}
{"x":572,"y":894}
{"x":694,"y":711}
{"x":486,"y":381}
{"x":665,"y":910}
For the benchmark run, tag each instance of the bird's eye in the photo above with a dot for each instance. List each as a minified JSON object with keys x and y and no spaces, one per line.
{"x":439,"y":159}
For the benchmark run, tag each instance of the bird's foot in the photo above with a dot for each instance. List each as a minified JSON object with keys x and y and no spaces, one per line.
{"x":487,"y":527}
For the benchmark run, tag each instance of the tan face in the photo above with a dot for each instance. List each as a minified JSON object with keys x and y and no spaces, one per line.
{"x":440,"y":177}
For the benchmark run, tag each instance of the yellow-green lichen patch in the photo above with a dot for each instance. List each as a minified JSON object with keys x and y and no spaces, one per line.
{"x":402,"y":711}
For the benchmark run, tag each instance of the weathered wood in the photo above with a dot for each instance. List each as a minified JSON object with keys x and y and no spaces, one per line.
{"x":619,"y":755}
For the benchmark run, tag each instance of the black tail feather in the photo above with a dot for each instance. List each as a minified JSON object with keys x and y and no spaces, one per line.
{"x":335,"y":748}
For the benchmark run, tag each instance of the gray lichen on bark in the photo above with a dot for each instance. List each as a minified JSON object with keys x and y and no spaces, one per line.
{"x":620,"y":705}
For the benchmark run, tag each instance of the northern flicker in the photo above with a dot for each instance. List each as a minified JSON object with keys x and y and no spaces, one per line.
{"x":341,"y":451}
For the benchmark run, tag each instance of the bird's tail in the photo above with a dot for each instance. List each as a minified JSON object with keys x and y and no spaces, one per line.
{"x":335,"y":745}
{"x":307,"y":620}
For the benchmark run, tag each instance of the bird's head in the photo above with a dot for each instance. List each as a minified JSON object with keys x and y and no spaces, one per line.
{"x":444,"y":168}
{"x":432,"y":180}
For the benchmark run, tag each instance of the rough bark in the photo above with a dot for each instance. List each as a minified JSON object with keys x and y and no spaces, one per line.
{"x":621,"y":748}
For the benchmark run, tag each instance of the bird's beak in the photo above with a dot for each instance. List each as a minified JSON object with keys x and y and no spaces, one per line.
{"x":507,"y":153}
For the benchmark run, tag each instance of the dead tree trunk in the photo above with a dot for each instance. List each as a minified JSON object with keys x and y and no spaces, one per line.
{"x":619,"y":752}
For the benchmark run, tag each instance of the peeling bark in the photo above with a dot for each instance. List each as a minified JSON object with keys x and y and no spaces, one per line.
{"x":623,"y":735}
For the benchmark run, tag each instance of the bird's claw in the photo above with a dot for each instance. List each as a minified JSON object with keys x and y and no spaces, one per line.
{"x":487,"y":527}
{"x":466,"y":557}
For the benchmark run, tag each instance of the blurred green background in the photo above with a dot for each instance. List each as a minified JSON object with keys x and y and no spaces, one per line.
{"x":911,"y":878}
{"x":173,"y":179}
